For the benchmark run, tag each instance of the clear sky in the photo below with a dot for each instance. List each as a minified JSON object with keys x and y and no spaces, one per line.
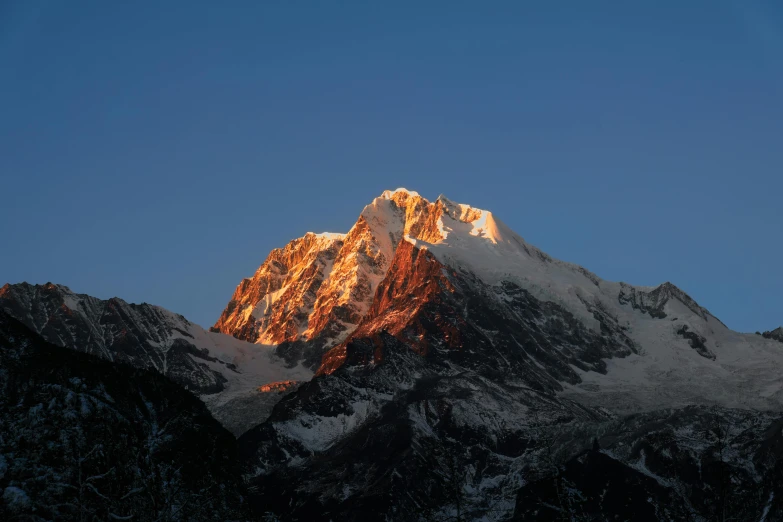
{"x":158,"y":150}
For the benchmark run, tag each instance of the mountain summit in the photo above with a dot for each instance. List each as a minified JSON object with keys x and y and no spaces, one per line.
{"x":319,"y":287}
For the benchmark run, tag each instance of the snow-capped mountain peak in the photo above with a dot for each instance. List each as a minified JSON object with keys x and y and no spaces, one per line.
{"x":389,"y":194}
{"x":324,"y":294}
{"x":321,"y":287}
{"x":364,"y":282}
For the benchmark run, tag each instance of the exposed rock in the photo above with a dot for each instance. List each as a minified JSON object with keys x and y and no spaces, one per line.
{"x":275,"y":304}
{"x":776,"y":334}
{"x":143,"y":336}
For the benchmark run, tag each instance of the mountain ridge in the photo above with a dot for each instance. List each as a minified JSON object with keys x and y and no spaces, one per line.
{"x":219,"y":369}
{"x":432,"y":345}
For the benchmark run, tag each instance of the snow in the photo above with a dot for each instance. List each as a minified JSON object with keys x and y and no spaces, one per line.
{"x":332,"y":236}
{"x":266,"y":304}
{"x":387,"y":194}
{"x":240,"y":405}
{"x":256,"y":360}
{"x":671,"y":374}
{"x":490,"y":249}
{"x":385,"y":221}
{"x":71,"y":301}
{"x":767,"y":506}
{"x":318,"y":432}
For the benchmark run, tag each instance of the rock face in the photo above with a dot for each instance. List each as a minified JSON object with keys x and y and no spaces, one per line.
{"x":319,"y":287}
{"x":143,"y":336}
{"x":275,"y":304}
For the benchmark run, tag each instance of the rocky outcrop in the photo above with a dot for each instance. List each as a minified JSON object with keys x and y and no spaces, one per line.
{"x":653,"y":302}
{"x":776,"y":334}
{"x":276,"y":303}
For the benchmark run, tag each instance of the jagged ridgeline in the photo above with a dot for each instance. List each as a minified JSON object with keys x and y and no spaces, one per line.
{"x":430,"y":364}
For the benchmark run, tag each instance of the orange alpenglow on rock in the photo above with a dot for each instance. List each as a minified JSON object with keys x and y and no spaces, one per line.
{"x":279,"y":386}
{"x":322,"y":286}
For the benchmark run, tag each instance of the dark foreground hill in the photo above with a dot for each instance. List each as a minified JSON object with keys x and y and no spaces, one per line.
{"x":85,"y":439}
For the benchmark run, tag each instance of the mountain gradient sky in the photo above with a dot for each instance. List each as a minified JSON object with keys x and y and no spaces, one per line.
{"x":157,"y":151}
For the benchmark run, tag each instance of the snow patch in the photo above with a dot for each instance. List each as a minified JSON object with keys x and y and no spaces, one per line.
{"x":387,"y":194}
{"x":332,"y":236}
{"x":318,"y":432}
{"x":266,"y":304}
{"x":71,"y":301}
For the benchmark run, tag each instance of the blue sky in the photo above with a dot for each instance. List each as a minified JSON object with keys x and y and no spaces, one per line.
{"x":158,"y":150}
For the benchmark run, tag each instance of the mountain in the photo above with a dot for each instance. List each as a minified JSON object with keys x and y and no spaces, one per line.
{"x":430,"y":364}
{"x":444,"y":276}
{"x":319,"y":287}
{"x":473,"y":344}
{"x":85,"y":439}
{"x":226,"y":373}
